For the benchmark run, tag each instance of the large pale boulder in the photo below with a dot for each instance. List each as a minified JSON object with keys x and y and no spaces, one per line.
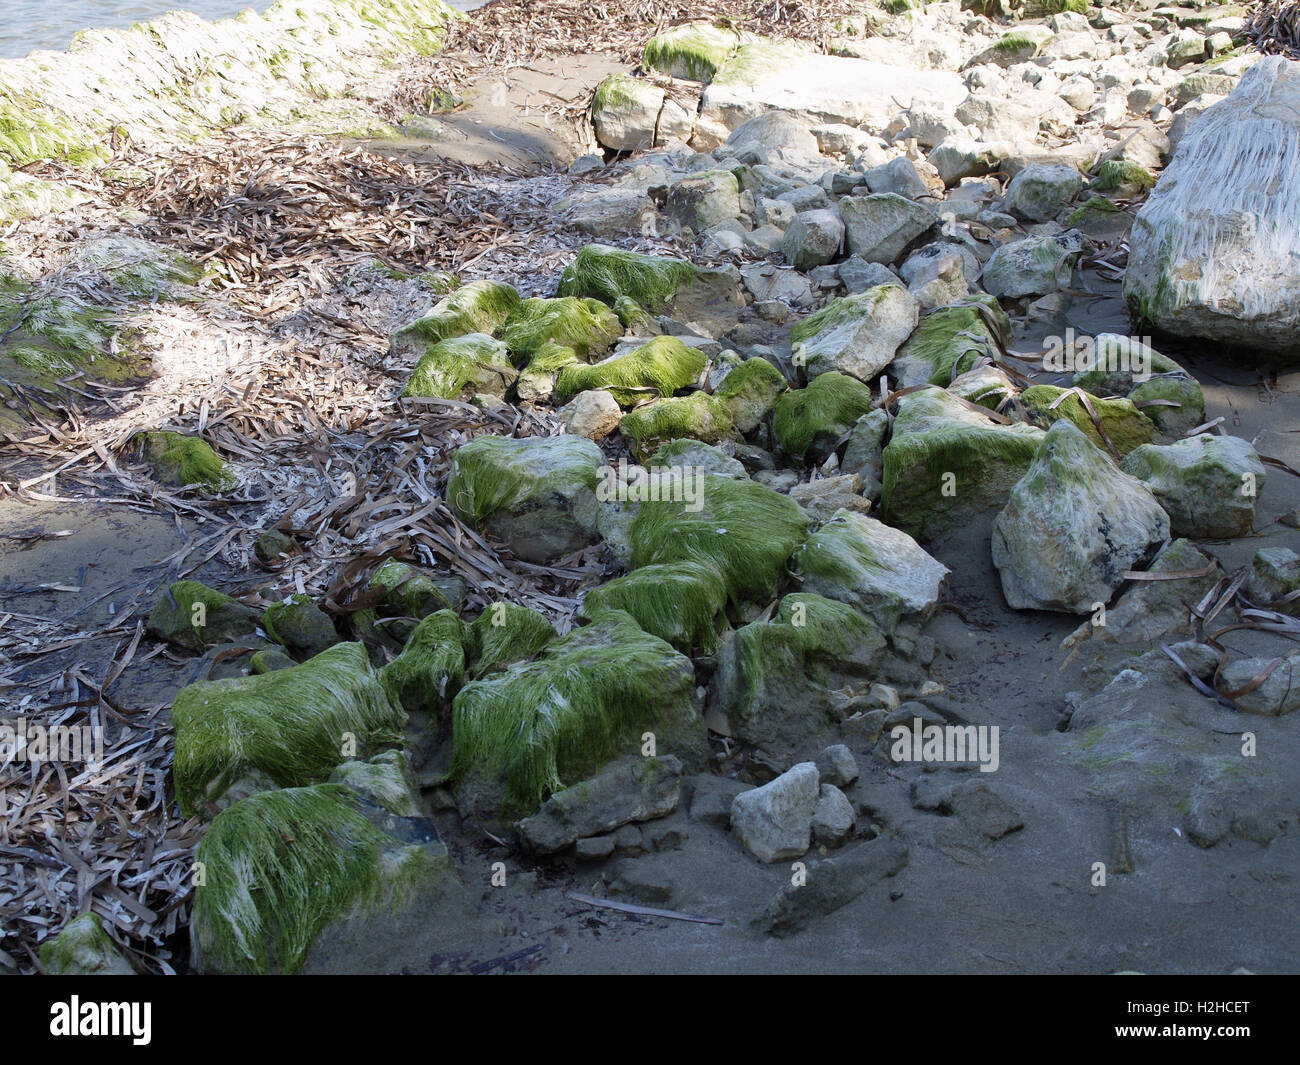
{"x":763,"y":76}
{"x":1215,"y":252}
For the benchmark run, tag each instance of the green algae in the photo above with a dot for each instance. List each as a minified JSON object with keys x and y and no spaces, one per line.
{"x":743,"y":530}
{"x":187,"y":460}
{"x":1125,"y":426}
{"x":683,"y":603}
{"x":698,"y":416}
{"x":431,"y":668}
{"x":474,"y":361}
{"x":749,"y":392}
{"x":694,"y":52}
{"x":824,"y":411}
{"x":585,"y":325}
{"x":610,"y":274}
{"x":282,"y":866}
{"x":664,"y":365}
{"x":478,"y":307}
{"x":276,"y":730}
{"x":536,"y":727}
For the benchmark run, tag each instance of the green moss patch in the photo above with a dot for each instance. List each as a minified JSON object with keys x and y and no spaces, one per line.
{"x":1124,"y":425}
{"x":695,"y":52}
{"x":187,"y":460}
{"x":473,"y":361}
{"x":585,"y":325}
{"x":479,"y":307}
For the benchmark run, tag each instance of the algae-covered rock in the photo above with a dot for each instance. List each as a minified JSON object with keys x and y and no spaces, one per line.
{"x":524,"y":733}
{"x":1154,"y":749}
{"x":1034,"y":266}
{"x":698,"y":416}
{"x":479,"y":307}
{"x":946,"y":464}
{"x":585,"y":325}
{"x":1148,"y":612}
{"x":473,"y":361}
{"x":503,"y":634}
{"x":709,"y":298}
{"x":878,"y":570}
{"x":187,"y":460}
{"x":949,"y":340}
{"x":1274,"y":573}
{"x":406,"y":591}
{"x":660,"y":367}
{"x":742,"y":529}
{"x":537,"y":380}
{"x":683,"y":603}
{"x":856,"y":335}
{"x":300,"y":626}
{"x":194,"y":616}
{"x":1042,"y":191}
{"x":749,"y":391}
{"x":1207,"y":484}
{"x":281,"y":729}
{"x":1123,"y":426}
{"x":817,"y":416}
{"x":701,"y":200}
{"x":83,"y":948}
{"x":625,"y":112}
{"x":385,"y":779}
{"x":776,"y":680}
{"x":269,"y":659}
{"x":137,"y":268}
{"x":1174,"y":402}
{"x":288,"y":870}
{"x":430,"y":669}
{"x":537,"y":494}
{"x":985,"y":386}
{"x":694,"y":52}
{"x":1072,"y":527}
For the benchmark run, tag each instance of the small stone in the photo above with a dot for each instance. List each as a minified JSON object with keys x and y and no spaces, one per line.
{"x":836,"y":765}
{"x":984,"y":811}
{"x":593,"y":414}
{"x":833,"y":817}
{"x":642,"y":881}
{"x":775,"y":821}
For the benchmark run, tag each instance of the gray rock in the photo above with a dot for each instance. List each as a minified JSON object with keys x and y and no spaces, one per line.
{"x":594,"y":848}
{"x":983,"y":810}
{"x":833,"y":817}
{"x":823,"y":498}
{"x":831,"y":884}
{"x":1073,"y":525}
{"x":700,"y":201}
{"x":862,"y":454}
{"x":637,"y":789}
{"x":879,"y":228}
{"x":711,"y":799}
{"x":897,"y":176}
{"x":641,"y":880}
{"x":1034,"y":266}
{"x":836,"y":765}
{"x":775,"y":821}
{"x":858,"y":275}
{"x":1278,"y":694}
{"x":1207,"y":484}
{"x":814,"y":238}
{"x":1041,"y":192}
{"x":593,"y":414}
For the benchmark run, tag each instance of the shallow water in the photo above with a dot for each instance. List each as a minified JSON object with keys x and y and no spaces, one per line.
{"x":28,"y":25}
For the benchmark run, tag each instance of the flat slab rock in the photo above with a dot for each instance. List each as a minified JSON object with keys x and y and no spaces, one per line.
{"x":634,"y":790}
{"x":831,"y":884}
